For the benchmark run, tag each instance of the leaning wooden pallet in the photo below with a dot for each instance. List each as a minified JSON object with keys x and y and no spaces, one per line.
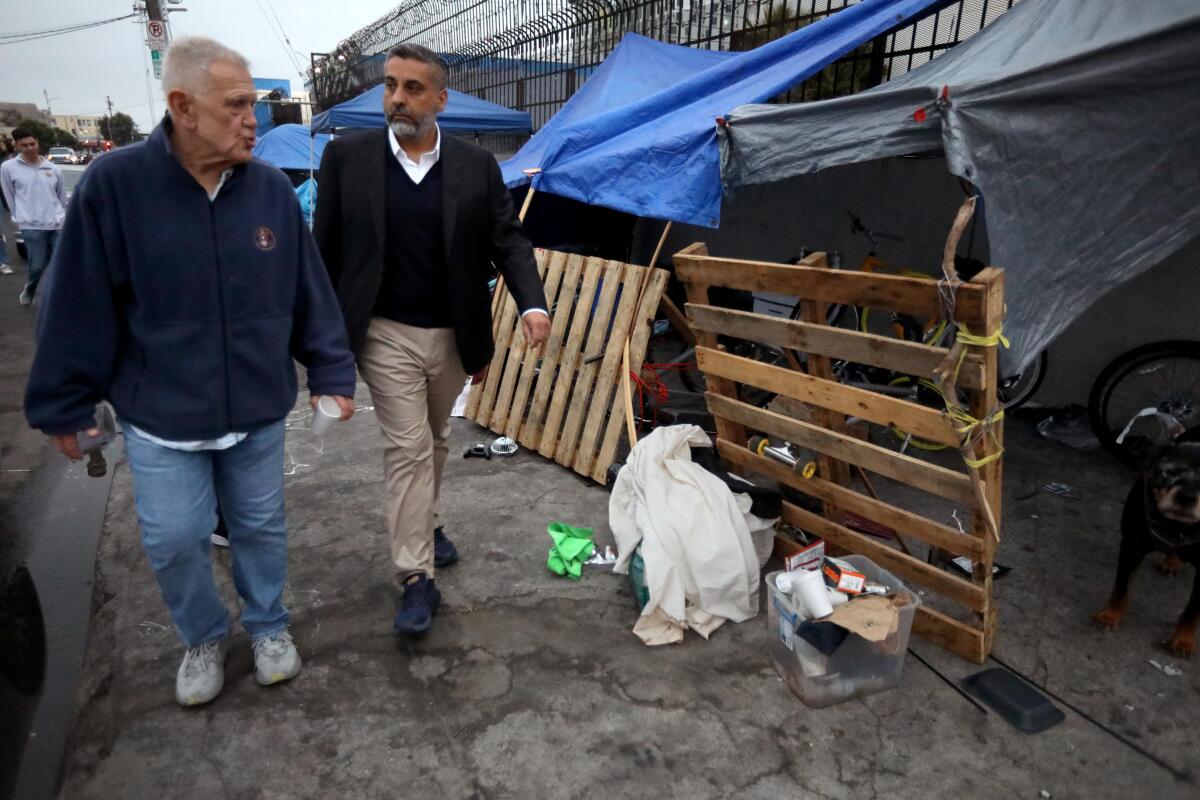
{"x":563,"y":403}
{"x":977,"y":307}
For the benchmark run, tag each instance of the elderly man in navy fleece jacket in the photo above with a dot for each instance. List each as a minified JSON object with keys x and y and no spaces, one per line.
{"x":184,"y":284}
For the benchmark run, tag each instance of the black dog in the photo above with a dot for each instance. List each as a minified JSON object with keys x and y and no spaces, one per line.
{"x":1162,"y":513}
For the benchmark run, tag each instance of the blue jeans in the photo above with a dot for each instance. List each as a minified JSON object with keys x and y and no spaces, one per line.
{"x":39,"y":246}
{"x":176,"y":494}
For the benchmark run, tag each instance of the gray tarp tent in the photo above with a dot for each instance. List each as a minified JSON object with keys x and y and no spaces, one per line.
{"x":1078,"y":120}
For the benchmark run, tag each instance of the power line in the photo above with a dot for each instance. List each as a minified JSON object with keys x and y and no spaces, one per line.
{"x":280,"y":38}
{"x":46,"y":33}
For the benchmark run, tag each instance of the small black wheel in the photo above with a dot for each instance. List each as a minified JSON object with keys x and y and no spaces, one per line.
{"x":1014,"y":390}
{"x":1146,"y":397}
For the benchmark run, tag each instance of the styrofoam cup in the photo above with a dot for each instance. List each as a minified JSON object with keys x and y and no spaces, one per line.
{"x":325,"y":414}
{"x":809,"y":587}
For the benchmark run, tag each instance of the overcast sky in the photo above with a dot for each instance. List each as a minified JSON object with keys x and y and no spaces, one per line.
{"x":80,"y":69}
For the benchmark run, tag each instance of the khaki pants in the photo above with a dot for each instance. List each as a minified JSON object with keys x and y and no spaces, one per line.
{"x":414,"y":375}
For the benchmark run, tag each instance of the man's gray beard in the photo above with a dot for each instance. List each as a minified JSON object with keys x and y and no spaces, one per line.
{"x":406,"y":130}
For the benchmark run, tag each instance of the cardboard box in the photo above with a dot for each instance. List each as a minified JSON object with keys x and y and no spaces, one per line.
{"x":842,"y":575}
{"x":808,"y":556}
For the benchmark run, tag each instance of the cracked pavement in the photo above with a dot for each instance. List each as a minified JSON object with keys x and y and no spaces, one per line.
{"x":532,"y":686}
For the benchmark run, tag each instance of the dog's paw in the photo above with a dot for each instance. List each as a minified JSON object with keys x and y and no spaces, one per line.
{"x":1109,"y":618}
{"x":1182,"y":644}
{"x":1171,"y":565}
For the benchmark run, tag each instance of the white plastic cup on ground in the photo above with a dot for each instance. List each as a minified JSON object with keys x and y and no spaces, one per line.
{"x":809,"y":588}
{"x":325,"y":414}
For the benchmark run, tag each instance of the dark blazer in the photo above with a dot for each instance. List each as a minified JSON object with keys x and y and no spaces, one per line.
{"x":479,"y":225}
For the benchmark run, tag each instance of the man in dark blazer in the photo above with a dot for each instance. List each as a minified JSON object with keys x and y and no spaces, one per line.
{"x":410,"y":225}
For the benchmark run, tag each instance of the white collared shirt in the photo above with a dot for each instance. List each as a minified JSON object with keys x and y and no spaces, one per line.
{"x":417,"y":170}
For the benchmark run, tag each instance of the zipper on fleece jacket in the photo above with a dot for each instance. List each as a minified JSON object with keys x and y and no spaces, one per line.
{"x":212,"y":215}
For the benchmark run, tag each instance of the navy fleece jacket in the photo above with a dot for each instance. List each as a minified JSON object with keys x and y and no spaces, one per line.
{"x":185,"y":314}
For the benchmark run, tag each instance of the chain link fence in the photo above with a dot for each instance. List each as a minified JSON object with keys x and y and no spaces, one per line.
{"x":532,"y":55}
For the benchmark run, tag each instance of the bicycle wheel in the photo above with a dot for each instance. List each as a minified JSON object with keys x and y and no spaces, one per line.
{"x":1014,"y":390}
{"x":928,"y":394}
{"x":1145,"y":398}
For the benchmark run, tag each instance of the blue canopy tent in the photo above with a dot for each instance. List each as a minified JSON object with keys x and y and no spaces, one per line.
{"x":640,"y":135}
{"x":463,"y":113}
{"x":291,"y":147}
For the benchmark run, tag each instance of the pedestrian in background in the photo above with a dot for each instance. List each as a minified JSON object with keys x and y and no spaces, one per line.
{"x":34,"y":192}
{"x":5,"y":267}
{"x":5,"y":216}
{"x":185,"y":284}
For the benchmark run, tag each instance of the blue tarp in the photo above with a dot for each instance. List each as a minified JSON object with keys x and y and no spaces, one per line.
{"x":463,"y":113}
{"x":262,"y":111}
{"x":641,"y":135}
{"x":306,"y":193}
{"x":287,"y":147}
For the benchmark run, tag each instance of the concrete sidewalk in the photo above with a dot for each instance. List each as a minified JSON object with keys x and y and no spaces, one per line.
{"x":532,"y":686}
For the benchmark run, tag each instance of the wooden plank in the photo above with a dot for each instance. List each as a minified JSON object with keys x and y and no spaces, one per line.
{"x":957,"y":637}
{"x":927,"y":423}
{"x":491,"y":384}
{"x":906,"y":469}
{"x":643,"y":326}
{"x":606,"y":381}
{"x":903,"y":521}
{"x":697,"y":292}
{"x":597,"y":341}
{"x":560,"y":313}
{"x":982,"y":403}
{"x":904,"y":566}
{"x":678,"y":321}
{"x":556,"y":263}
{"x":813,"y":312}
{"x":569,"y":361}
{"x":513,"y":367}
{"x":917,"y":296}
{"x":910,"y":358}
{"x":504,"y":312}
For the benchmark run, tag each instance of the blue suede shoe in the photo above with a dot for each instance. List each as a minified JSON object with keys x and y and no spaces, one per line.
{"x":420,"y":603}
{"x":444,"y":551}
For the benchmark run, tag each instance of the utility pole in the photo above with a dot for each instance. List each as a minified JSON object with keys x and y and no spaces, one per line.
{"x":155,"y":27}
{"x":46,"y":95}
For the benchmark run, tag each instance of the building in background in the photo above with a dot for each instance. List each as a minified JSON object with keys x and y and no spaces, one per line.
{"x":84,"y":127}
{"x":11,"y":115}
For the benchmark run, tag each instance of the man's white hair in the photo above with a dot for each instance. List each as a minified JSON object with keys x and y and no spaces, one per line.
{"x":189,"y":60}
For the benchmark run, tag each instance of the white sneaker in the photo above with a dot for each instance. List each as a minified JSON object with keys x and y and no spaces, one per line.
{"x":219,"y":540}
{"x":5,"y":269}
{"x":202,"y":674}
{"x":26,"y":299}
{"x":275,"y":659}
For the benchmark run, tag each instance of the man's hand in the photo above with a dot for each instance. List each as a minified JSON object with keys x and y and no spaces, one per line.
{"x":69,"y":445}
{"x":536,"y":327}
{"x":345,"y":404}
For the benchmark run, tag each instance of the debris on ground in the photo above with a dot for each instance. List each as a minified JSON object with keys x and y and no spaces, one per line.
{"x":1062,"y":490}
{"x":1170,"y":670}
{"x":478,"y":450}
{"x":605,"y":559}
{"x":1070,"y":426}
{"x":504,"y":446}
{"x":572,"y":547}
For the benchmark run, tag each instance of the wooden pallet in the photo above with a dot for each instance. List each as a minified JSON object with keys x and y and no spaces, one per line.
{"x":979,"y":305}
{"x":565,"y":405}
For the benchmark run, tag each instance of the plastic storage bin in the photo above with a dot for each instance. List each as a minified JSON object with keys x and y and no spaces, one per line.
{"x":855,"y":669}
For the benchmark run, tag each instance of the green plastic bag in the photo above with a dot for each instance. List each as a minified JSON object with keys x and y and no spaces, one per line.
{"x":572,"y":547}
